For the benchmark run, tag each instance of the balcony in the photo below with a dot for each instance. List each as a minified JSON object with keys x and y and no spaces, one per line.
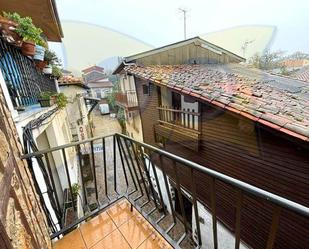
{"x":139,"y":196}
{"x":23,"y":80}
{"x":181,"y":126}
{"x":127,"y":100}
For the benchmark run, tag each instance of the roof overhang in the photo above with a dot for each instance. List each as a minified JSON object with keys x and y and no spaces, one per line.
{"x":81,"y":85}
{"x":43,"y":13}
{"x":203,"y":43}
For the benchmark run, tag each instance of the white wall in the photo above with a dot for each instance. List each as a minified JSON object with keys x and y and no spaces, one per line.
{"x":162,"y":185}
{"x":192,"y":106}
{"x":76,"y":108}
{"x":7,"y":96}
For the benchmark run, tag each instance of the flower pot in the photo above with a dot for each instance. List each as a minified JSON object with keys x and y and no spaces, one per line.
{"x":47,"y":69}
{"x":28,"y":48}
{"x":40,"y":65}
{"x":7,"y":29}
{"x":39,"y":53}
{"x":46,"y":102}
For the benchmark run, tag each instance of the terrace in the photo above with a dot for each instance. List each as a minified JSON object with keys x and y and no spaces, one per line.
{"x":123,"y":201}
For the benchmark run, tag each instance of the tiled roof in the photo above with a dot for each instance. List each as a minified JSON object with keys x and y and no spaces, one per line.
{"x":93,"y":68}
{"x":302,"y":74}
{"x":278,"y":102}
{"x":67,"y":80}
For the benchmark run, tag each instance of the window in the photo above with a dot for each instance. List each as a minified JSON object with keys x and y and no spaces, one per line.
{"x":146,"y":89}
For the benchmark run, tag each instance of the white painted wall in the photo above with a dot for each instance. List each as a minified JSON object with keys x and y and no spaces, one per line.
{"x":162,"y":184}
{"x":76,"y":108}
{"x":7,"y":96}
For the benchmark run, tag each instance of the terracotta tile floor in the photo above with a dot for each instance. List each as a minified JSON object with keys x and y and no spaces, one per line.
{"x":115,"y":228}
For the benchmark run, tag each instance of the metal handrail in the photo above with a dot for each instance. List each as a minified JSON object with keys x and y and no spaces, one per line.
{"x":276,"y":199}
{"x":129,"y":157}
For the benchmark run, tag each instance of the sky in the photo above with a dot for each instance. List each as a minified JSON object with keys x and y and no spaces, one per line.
{"x":160,"y":22}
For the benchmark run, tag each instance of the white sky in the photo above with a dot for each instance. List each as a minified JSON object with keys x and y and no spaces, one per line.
{"x":159,"y":22}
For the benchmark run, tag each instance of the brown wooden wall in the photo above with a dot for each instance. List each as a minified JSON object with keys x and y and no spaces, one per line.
{"x":189,"y":53}
{"x":239,"y":148}
{"x":148,"y":109}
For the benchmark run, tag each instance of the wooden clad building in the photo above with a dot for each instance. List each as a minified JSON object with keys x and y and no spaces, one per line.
{"x":241,"y":122}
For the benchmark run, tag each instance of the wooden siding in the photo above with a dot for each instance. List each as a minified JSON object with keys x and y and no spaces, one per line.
{"x":255,"y":154}
{"x":179,"y":135}
{"x":190,"y":53}
{"x":148,"y":109}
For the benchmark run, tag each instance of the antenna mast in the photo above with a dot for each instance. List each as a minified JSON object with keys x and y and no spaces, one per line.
{"x":184,"y":11}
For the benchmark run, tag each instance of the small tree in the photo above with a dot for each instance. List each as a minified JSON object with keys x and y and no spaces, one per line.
{"x":268,"y":60}
{"x":298,"y":55}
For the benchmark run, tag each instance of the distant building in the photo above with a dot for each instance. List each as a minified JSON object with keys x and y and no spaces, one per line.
{"x":292,"y":65}
{"x":96,"y":79}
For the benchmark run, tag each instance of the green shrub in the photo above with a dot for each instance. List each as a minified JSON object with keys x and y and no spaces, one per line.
{"x":61,"y":100}
{"x":26,"y":29}
{"x":51,"y":58}
{"x":56,"y":71}
{"x":46,"y":95}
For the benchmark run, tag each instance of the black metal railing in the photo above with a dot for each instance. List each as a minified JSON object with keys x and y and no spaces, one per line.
{"x":117,"y":166}
{"x":24,"y":81}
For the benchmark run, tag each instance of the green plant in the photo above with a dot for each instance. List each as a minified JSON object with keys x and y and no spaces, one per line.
{"x":26,"y":29}
{"x":61,"y":100}
{"x":122,"y":120}
{"x":56,"y":71}
{"x":51,"y":58}
{"x":75,"y":190}
{"x":46,"y":95}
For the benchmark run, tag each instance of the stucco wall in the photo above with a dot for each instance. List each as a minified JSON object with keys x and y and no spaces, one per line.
{"x":22,"y":221}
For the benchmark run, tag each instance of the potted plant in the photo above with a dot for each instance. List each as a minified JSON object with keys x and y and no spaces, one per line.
{"x":30,"y":34}
{"x":46,"y":99}
{"x":50,"y":58}
{"x":40,"y":49}
{"x":7,"y":29}
{"x":56,"y":71}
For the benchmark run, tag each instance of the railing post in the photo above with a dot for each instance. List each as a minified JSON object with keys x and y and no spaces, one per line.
{"x":68,"y":177}
{"x":213,"y":211}
{"x":122,"y":162}
{"x":105,"y":167}
{"x":274,"y":227}
{"x":238,"y":218}
{"x":194,"y":200}
{"x":82,"y":173}
{"x":167,"y":189}
{"x":180,"y":199}
{"x":54,"y":186}
{"x":94,"y":173}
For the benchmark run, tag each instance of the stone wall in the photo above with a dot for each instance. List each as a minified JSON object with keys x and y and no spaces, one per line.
{"x":22,"y":220}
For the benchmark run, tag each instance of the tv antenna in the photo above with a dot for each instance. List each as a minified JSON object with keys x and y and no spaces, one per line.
{"x":184,"y":12}
{"x":245,"y":45}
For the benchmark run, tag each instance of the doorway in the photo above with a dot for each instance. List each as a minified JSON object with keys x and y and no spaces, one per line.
{"x":176,"y":100}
